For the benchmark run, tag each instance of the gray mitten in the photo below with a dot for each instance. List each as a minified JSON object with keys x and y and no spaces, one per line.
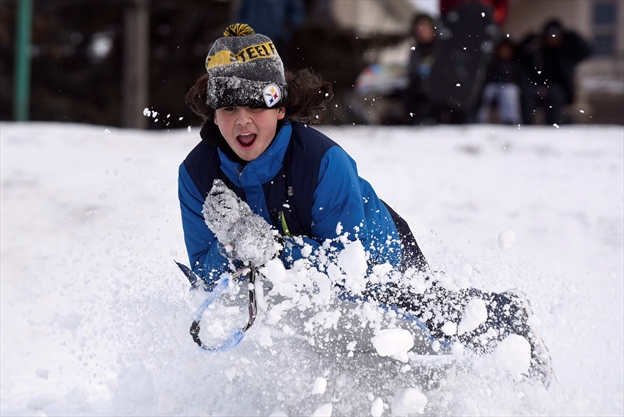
{"x":253,"y":240}
{"x":222,"y":209}
{"x":246,"y":236}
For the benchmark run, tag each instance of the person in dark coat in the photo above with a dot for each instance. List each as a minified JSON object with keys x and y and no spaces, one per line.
{"x":550,"y":61}
{"x":418,"y":106}
{"x":502,"y":86}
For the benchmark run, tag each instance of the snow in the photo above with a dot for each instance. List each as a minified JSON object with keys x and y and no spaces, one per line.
{"x":320,"y":384}
{"x":409,"y":401}
{"x":393,"y":342}
{"x":506,"y":239}
{"x":513,"y":354}
{"x":474,"y":315}
{"x":324,"y":410}
{"x":95,"y":314}
{"x":377,"y":407}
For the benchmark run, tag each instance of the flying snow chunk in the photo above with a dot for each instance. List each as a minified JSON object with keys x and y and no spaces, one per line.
{"x":352,"y":260}
{"x":409,"y":401}
{"x":475,"y":314}
{"x":377,"y":407}
{"x":506,"y":239}
{"x":513,"y":354}
{"x":449,"y":328}
{"x":394,"y":343}
{"x":323,"y":411}
{"x":320,"y":384}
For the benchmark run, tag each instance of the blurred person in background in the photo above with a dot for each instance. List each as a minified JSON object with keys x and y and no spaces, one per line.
{"x":502,"y":86}
{"x":277,"y":19}
{"x":550,"y":60}
{"x":418,"y":106}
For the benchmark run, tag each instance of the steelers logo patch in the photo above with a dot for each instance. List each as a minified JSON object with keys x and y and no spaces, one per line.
{"x":272,"y":94}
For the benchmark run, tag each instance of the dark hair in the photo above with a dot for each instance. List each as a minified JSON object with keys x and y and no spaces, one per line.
{"x":306,"y":102}
{"x":552,"y":26}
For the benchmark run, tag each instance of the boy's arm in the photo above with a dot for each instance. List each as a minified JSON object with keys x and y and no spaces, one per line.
{"x":337,"y":207}
{"x":203,"y":249}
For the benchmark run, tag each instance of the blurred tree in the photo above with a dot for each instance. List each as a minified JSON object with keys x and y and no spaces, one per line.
{"x":134,"y":83}
{"x":77,"y":50}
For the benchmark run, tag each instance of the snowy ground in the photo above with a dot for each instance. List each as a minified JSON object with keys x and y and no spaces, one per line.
{"x":95,"y":315}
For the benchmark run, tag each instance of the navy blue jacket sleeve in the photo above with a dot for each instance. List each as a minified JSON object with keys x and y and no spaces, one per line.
{"x":204,"y":251}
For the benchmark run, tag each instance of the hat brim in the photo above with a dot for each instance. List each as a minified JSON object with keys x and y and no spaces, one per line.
{"x":234,"y":91}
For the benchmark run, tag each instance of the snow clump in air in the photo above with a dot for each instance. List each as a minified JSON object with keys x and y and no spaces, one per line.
{"x":513,"y":354}
{"x":377,"y":407}
{"x":475,"y":314}
{"x":394,"y":343}
{"x":323,"y":411}
{"x":506,"y":239}
{"x":409,"y":401}
{"x":320,"y":384}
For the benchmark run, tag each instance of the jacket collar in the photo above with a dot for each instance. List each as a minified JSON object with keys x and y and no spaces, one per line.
{"x":210,"y":133}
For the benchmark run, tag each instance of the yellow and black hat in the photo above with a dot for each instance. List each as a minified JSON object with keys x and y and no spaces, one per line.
{"x":245,"y":70}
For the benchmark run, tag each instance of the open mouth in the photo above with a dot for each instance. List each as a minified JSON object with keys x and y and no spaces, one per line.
{"x":246,"y":140}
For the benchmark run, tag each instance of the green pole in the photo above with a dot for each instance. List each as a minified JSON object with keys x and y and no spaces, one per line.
{"x":21,"y":92}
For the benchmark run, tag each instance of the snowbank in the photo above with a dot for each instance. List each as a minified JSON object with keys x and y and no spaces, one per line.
{"x":95,"y":314}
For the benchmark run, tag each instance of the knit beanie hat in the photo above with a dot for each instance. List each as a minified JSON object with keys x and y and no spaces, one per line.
{"x":245,"y":70}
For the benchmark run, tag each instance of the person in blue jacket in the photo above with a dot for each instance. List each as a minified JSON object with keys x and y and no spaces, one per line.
{"x":262,"y":184}
{"x":288,"y":173}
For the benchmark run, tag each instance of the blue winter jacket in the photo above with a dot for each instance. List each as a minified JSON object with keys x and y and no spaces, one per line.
{"x":303,"y":176}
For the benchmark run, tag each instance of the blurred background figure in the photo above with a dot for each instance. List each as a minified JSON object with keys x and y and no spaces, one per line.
{"x":550,"y":60}
{"x":277,"y":19}
{"x":502,"y":86}
{"x":465,"y":43}
{"x":416,"y":97}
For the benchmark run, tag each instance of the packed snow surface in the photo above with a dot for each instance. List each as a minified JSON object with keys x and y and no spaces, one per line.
{"x":95,"y":313}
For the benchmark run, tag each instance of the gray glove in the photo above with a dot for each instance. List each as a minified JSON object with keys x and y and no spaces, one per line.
{"x":246,"y":236}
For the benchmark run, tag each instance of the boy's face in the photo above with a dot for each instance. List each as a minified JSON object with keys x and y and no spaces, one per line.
{"x":248,"y":131}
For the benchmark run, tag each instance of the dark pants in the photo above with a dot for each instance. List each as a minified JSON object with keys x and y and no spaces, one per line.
{"x":552,"y":98}
{"x":412,"y":256}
